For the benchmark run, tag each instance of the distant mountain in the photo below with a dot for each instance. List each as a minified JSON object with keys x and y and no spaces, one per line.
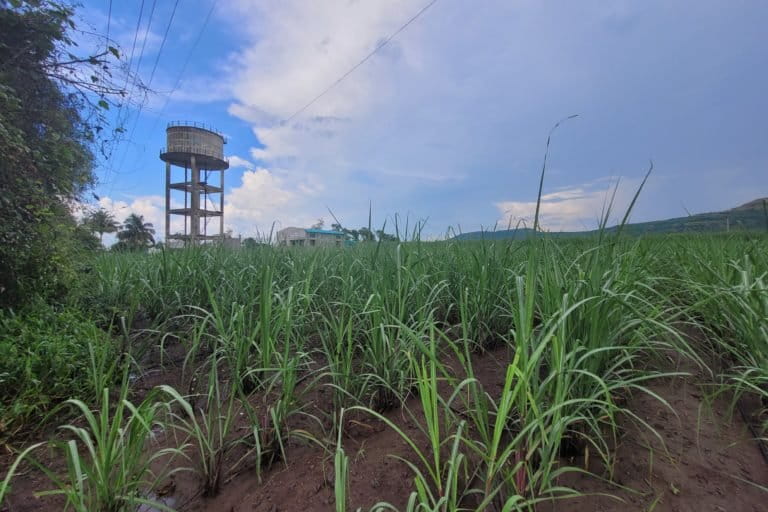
{"x":751,"y":216}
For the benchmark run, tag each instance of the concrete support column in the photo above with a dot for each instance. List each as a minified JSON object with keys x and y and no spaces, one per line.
{"x":186,"y":201}
{"x":194,"y":229}
{"x":221,"y":205}
{"x":167,"y":201}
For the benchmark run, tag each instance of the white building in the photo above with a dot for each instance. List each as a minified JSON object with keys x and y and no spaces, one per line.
{"x":310,"y":237}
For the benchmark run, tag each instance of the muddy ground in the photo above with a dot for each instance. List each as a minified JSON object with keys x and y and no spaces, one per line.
{"x":705,"y":460}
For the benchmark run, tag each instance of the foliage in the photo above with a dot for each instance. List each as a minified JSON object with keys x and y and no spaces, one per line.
{"x":51,"y":114}
{"x":583,"y":324}
{"x":135,"y":234}
{"x":365,"y":234}
{"x":5,"y":484}
{"x":750,"y":217}
{"x":47,"y":357}
{"x":101,"y":221}
{"x":85,"y":240}
{"x":107,"y":466}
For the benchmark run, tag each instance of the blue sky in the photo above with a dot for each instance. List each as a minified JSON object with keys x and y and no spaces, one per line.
{"x":448,"y":121}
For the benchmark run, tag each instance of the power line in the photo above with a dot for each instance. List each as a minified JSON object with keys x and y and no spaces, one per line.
{"x":177,"y":82}
{"x":381,"y":45}
{"x":151,"y":77}
{"x":184,"y":66}
{"x":141,"y":56}
{"x":133,"y":46}
{"x":106,"y":38}
{"x":162,"y":43}
{"x":136,"y":79}
{"x":144,"y":43}
{"x":125,"y":85}
{"x":186,"y":60}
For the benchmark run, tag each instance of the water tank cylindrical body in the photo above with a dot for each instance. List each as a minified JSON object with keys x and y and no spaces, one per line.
{"x":184,"y":141}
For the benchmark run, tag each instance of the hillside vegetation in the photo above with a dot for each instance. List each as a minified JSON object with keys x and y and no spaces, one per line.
{"x":751,"y":216}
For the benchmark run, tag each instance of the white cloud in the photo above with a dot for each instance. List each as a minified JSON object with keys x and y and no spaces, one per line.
{"x":575,"y":208}
{"x":152,"y":208}
{"x":293,"y":51}
{"x":236,"y":161}
{"x":299,"y":48}
{"x":458,"y":105}
{"x":264,"y":198}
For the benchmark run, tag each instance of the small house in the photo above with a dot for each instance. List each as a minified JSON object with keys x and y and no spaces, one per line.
{"x":310,"y":237}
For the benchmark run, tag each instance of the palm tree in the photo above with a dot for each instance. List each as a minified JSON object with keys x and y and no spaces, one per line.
{"x":135,"y":233}
{"x":101,"y":221}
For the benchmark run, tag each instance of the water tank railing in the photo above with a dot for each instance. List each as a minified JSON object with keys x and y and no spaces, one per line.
{"x":195,"y":124}
{"x":197,"y":149}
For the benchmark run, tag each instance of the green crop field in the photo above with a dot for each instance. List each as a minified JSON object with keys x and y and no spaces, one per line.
{"x":168,"y":343}
{"x":261,"y":354}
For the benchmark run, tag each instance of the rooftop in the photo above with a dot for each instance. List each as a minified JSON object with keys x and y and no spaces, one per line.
{"x":323,"y":231}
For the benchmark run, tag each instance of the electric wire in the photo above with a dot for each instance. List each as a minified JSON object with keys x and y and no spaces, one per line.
{"x":125,"y":85}
{"x":149,"y":83}
{"x":135,"y":81}
{"x":186,"y":63}
{"x":378,"y":47}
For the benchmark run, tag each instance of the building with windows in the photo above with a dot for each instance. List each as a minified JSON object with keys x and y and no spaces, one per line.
{"x":310,"y":237}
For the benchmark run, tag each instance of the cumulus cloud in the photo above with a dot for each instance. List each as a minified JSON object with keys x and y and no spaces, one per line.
{"x":152,"y":208}
{"x":457,"y":106}
{"x":295,"y":51}
{"x":298,"y":48}
{"x":236,"y":161}
{"x":577,"y":208}
{"x":264,"y":198}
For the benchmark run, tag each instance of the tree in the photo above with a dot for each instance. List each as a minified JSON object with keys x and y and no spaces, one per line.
{"x":85,"y":239}
{"x":52,"y":114}
{"x":386,"y":237}
{"x":319,"y":224}
{"x":135,"y":234}
{"x":101,"y":221}
{"x":351,"y":234}
{"x":366,"y":235}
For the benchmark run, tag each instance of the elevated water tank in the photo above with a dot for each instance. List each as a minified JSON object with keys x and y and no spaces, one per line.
{"x":199,"y":150}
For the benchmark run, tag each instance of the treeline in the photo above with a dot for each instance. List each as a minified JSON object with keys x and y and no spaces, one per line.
{"x":365,"y":234}
{"x":132,"y":234}
{"x":53,"y":105}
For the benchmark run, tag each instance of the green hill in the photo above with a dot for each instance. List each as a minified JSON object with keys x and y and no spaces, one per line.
{"x":751,"y":216}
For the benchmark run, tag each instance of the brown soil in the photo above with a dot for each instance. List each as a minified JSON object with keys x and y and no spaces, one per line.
{"x":706,"y":460}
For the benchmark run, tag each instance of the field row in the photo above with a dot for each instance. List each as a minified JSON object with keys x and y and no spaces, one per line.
{"x":229,"y":363}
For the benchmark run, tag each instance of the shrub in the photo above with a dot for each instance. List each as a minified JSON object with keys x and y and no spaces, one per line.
{"x":48,"y":356}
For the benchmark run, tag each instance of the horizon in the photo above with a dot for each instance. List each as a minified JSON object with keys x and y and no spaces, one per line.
{"x":449,"y":119}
